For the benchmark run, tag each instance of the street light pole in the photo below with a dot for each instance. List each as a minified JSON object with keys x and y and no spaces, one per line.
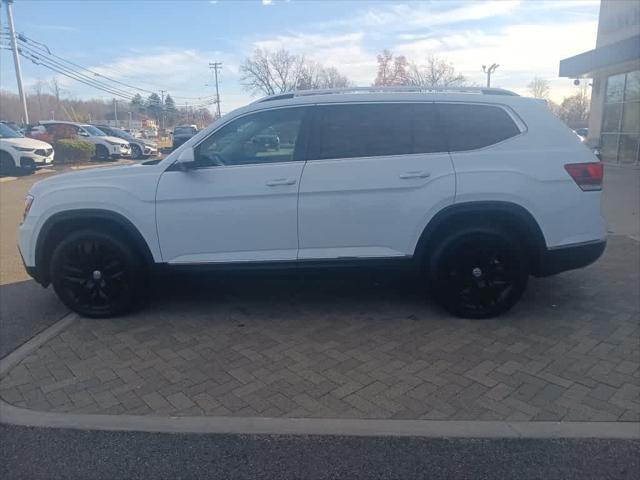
{"x":16,"y":61}
{"x":492,"y":68}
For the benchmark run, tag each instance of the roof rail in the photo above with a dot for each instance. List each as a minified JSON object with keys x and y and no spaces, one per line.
{"x":374,"y":89}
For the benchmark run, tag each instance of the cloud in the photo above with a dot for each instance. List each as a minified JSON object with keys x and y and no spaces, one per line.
{"x":267,"y":2}
{"x":345,"y":51}
{"x":523,"y":51}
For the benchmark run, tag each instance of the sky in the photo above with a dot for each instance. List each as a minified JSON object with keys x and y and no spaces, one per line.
{"x":156,"y":44}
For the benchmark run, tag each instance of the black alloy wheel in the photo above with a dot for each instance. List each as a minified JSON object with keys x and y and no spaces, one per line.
{"x":136,"y":151}
{"x":95,"y":274}
{"x":480,"y":274}
{"x":102,"y":153}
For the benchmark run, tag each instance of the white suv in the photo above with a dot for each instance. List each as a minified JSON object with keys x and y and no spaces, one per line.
{"x":477,"y":189}
{"x":107,"y":147}
{"x":18,"y":152}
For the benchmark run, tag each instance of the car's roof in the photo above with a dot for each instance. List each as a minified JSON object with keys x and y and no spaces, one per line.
{"x":387,"y":94}
{"x":65,"y":122}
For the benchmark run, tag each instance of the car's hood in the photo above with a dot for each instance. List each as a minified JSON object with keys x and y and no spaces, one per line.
{"x":82,"y":177}
{"x":25,"y":142}
{"x":150,"y":143}
{"x":116,"y":139}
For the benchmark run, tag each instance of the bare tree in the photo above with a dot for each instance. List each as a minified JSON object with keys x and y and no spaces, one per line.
{"x":539,"y":88}
{"x":55,"y":90}
{"x":282,"y":71}
{"x":271,"y":72}
{"x":315,"y":76}
{"x":574,"y":110}
{"x":391,"y":70}
{"x":437,"y":72}
{"x":38,"y":89}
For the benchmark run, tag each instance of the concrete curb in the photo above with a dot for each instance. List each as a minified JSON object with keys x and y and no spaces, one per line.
{"x":10,"y":414}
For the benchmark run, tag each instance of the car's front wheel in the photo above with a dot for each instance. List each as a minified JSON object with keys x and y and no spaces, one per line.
{"x":102,"y":153}
{"x":7,"y":165}
{"x":478,"y":272}
{"x":136,"y":152}
{"x":96,"y":274}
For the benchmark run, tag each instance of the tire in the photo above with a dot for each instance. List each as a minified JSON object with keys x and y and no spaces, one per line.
{"x":478,"y":272}
{"x":96,"y":274}
{"x":7,"y":165}
{"x":136,"y":152}
{"x":102,"y":154}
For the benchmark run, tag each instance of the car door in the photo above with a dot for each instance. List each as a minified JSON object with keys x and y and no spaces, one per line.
{"x":240,"y":203}
{"x":376,"y":174}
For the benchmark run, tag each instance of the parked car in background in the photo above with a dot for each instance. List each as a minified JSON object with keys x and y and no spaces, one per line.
{"x":182,"y":133}
{"x":19,"y":152}
{"x":267,"y":140}
{"x":107,"y":147}
{"x":14,"y":126}
{"x":140,"y":148}
{"x":447,"y":185}
{"x":582,"y":133}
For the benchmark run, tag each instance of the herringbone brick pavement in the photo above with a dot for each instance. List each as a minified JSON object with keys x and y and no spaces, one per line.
{"x":345,"y":348}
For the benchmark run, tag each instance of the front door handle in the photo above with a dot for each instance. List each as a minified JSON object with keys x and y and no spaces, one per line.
{"x":281,"y":181}
{"x":417,"y":174}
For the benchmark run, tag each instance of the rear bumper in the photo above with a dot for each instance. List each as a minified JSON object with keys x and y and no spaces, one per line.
{"x":569,"y":257}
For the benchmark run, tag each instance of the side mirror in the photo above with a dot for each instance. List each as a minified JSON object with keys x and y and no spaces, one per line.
{"x":186,"y":160}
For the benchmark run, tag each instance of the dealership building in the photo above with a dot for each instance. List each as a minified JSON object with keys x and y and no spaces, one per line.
{"x":614,"y":67}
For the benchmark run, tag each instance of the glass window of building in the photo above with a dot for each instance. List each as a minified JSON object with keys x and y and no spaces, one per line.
{"x":620,"y":141}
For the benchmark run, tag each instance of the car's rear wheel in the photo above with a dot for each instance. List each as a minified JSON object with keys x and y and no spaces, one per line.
{"x":136,"y":151}
{"x":96,"y":274}
{"x":479,"y":272}
{"x":102,"y":153}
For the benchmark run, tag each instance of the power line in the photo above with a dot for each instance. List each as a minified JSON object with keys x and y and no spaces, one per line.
{"x":38,"y":56}
{"x":25,"y":40}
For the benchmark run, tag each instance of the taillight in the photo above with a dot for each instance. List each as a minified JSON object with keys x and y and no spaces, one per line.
{"x":588,"y":176}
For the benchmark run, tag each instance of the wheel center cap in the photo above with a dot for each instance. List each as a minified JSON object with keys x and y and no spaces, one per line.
{"x":97,"y":275}
{"x":476,"y":272}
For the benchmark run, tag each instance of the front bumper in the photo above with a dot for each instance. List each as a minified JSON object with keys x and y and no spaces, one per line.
{"x":118,"y":151}
{"x":569,"y":257}
{"x":32,"y":160}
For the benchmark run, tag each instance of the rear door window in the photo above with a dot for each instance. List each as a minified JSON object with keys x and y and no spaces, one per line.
{"x":470,"y":126}
{"x":363,"y":130}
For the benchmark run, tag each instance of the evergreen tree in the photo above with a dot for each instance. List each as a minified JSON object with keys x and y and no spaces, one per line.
{"x":154,"y":107}
{"x":171,"y":112}
{"x":137,"y":103}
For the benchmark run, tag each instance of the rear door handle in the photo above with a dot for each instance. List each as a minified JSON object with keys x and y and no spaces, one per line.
{"x":417,"y":174}
{"x":281,"y":181}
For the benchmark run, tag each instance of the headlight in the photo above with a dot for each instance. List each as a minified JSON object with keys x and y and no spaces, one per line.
{"x":24,"y":149}
{"x":28,"y":201}
{"x":112,"y":143}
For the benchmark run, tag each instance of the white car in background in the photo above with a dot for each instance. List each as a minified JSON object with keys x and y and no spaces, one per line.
{"x":107,"y":147}
{"x":18,"y":152}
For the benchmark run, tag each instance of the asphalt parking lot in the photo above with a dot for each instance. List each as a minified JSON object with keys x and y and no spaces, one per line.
{"x":340,"y":347}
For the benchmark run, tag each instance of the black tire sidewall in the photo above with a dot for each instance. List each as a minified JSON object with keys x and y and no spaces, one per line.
{"x":135,"y":271}
{"x":102,"y":153}
{"x":137,"y":150}
{"x":496,"y":236}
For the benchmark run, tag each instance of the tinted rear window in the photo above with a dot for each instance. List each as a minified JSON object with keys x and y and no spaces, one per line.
{"x":370,"y":130}
{"x":347,"y":131}
{"x":475,"y":126}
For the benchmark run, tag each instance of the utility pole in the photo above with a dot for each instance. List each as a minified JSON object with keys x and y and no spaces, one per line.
{"x":16,"y":61}
{"x":115,"y":111}
{"x":129,"y":121}
{"x":215,"y":66}
{"x":162,"y":108}
{"x":489,"y":71}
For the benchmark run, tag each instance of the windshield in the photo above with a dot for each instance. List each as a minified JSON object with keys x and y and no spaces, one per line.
{"x":93,"y":131}
{"x":6,"y":132}
{"x":122,"y":134}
